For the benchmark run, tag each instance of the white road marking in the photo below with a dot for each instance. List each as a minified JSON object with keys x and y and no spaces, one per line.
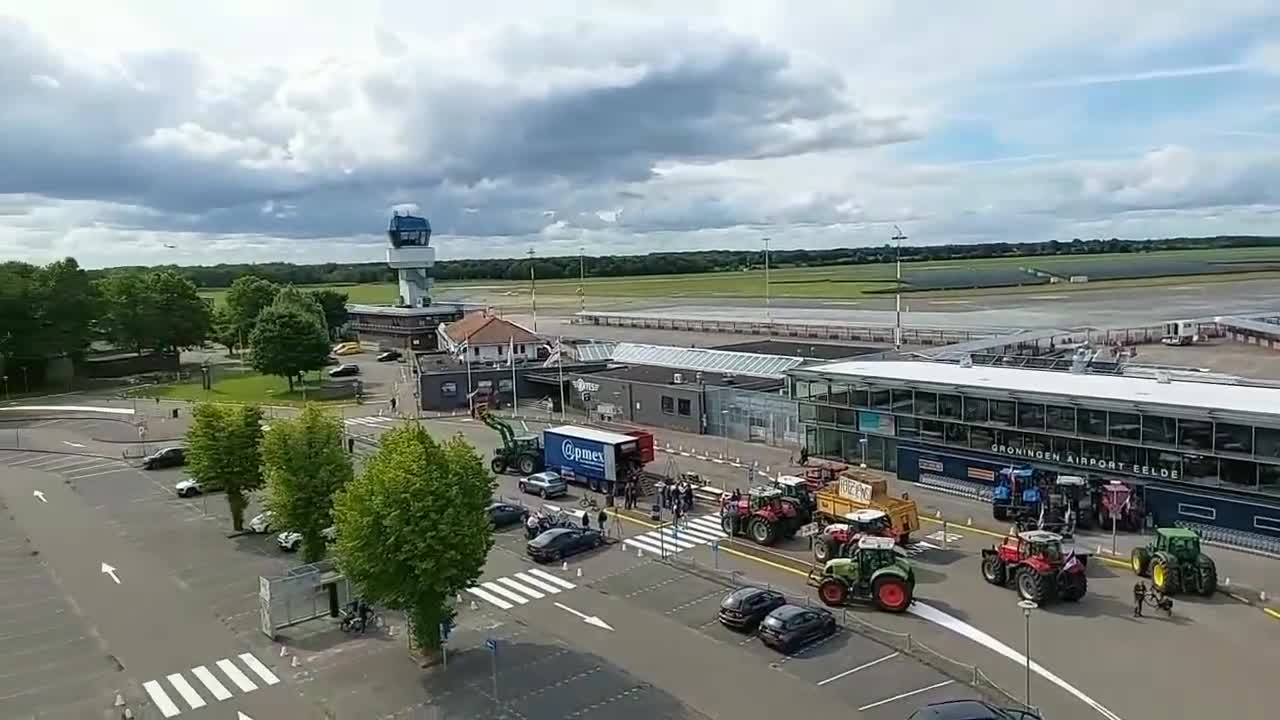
{"x":229,"y":669}
{"x":220,"y":691}
{"x":863,"y":666}
{"x":80,"y":464}
{"x":886,"y":701}
{"x":490,"y":598}
{"x":72,"y":408}
{"x":535,"y":594}
{"x":648,"y":545}
{"x":960,"y":627}
{"x":552,"y":589}
{"x":99,"y":473}
{"x":187,"y":692}
{"x":552,"y":578}
{"x":160,"y":698}
{"x":259,"y":669}
{"x":72,"y":444}
{"x":673,"y":537}
{"x":497,"y":589}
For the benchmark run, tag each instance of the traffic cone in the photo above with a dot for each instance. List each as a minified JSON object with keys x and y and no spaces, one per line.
{"x":580,"y":573}
{"x":283,"y":651}
{"x":119,"y":700}
{"x":459,"y":599}
{"x":474,"y":605}
{"x":294,"y":661}
{"x":1226,"y":582}
{"x":639,"y":553}
{"x":127,"y":714}
{"x":969,"y":522}
{"x":1262,"y":595}
{"x":938,"y":514}
{"x":564,"y":566}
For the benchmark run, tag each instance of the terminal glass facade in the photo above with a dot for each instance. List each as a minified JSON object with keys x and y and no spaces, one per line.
{"x":863,"y":421}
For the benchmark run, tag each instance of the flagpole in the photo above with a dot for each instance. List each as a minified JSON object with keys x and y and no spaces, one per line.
{"x":515,"y":390}
{"x":560,"y":363}
{"x":471,"y":398}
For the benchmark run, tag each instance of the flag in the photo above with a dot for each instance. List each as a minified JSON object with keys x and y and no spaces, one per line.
{"x":460,"y":350}
{"x":556,"y":352}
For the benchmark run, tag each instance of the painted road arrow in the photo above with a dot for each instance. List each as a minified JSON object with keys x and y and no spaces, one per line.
{"x":75,"y":445}
{"x":108,"y":570}
{"x":39,"y":495}
{"x":242,"y":716}
{"x":588,"y":619}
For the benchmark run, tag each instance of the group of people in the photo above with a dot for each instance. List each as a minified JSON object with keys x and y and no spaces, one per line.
{"x":677,"y":496}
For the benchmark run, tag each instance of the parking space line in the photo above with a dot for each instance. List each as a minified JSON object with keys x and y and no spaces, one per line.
{"x":863,"y":666}
{"x":187,"y":692}
{"x":220,"y":691}
{"x":886,"y":701}
{"x":81,"y":463}
{"x":160,"y":698}
{"x":259,"y":669}
{"x":32,"y":458}
{"x":499,"y":590}
{"x":229,"y":669}
{"x":42,"y":464}
{"x":551,"y":578}
{"x":101,"y":472}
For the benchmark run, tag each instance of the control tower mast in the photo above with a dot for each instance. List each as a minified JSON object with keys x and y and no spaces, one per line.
{"x":412,"y":257}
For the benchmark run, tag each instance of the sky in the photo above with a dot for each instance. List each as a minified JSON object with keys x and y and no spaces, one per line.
{"x":236,"y":131}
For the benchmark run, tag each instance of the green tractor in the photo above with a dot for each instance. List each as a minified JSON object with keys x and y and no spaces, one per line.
{"x":522,"y":454}
{"x":875,"y":571}
{"x":1175,"y":564}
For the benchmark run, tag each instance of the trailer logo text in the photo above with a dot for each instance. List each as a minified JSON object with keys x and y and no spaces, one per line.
{"x":582,"y":455}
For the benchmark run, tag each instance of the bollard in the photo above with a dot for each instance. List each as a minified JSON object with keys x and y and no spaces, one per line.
{"x":639,"y":553}
{"x":474,"y":605}
{"x":937,"y":514}
{"x":458,"y":599}
{"x":969,"y":522}
{"x":119,"y":700}
{"x":944,"y":534}
{"x":564,"y":566}
{"x":283,"y":651}
{"x":1226,"y":582}
{"x":579,"y":572}
{"x":294,"y":662}
{"x":1262,"y":595}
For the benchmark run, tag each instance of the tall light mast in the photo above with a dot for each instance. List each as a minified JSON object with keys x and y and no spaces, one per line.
{"x":898,"y":237}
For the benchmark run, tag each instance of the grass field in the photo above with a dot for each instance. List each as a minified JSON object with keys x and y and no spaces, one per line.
{"x":246,"y":388}
{"x":848,"y":281}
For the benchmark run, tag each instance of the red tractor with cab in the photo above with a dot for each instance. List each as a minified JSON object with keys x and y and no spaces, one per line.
{"x":762,"y":515}
{"x":837,"y":539}
{"x":1034,"y":563}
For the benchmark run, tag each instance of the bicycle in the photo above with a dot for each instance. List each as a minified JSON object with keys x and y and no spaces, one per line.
{"x":588,"y":503}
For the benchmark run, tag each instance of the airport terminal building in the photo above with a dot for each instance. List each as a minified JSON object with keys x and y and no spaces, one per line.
{"x":1202,"y":452}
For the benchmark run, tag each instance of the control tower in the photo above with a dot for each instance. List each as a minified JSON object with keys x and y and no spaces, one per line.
{"x":412,"y":257}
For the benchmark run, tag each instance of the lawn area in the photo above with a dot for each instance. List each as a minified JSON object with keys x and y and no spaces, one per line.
{"x":248,"y":387}
{"x":844,"y":281}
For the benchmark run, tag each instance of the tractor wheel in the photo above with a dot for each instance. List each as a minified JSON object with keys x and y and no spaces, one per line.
{"x":763,"y":532}
{"x":1164,"y":577}
{"x":1140,"y":561}
{"x":1033,"y":586}
{"x":1072,"y":586}
{"x":498,"y":465}
{"x":994,"y":570}
{"x":833,"y":592}
{"x":1207,"y":575}
{"x":1000,"y":513}
{"x":528,"y":465}
{"x":823,"y":549}
{"x":891,"y":593}
{"x":726,"y":524}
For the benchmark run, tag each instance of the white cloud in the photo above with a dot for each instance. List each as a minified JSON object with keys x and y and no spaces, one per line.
{"x":263,"y":131}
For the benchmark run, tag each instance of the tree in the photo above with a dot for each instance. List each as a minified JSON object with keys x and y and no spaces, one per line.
{"x":181,"y":318}
{"x":334,"y":306}
{"x":223,"y":452}
{"x":127,"y":319}
{"x":222,"y":328}
{"x":412,"y":527}
{"x":288,"y":340}
{"x":304,"y":465}
{"x":66,"y":306}
{"x":247,"y":297}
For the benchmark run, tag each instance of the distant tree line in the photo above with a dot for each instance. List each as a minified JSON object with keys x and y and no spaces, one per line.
{"x":680,"y":263}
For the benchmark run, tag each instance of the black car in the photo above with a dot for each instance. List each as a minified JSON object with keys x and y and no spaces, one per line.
{"x":744,"y":608}
{"x":165,"y":458}
{"x":389,"y":356}
{"x":558,"y":543}
{"x":969,"y":710}
{"x":791,"y":627}
{"x":504,"y":514}
{"x":345,"y":370}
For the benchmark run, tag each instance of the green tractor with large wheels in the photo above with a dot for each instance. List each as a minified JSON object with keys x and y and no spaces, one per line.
{"x":875,"y":571}
{"x":1175,"y":564}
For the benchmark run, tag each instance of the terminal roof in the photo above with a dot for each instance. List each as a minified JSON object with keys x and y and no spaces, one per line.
{"x":1195,"y":396}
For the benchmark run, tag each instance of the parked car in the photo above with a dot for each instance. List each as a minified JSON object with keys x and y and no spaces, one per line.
{"x":790,"y":627}
{"x":261,"y":523}
{"x":345,"y":370}
{"x":504,"y":514}
{"x":165,"y":458}
{"x":347,"y":348}
{"x":970,"y":710}
{"x":188,"y":488}
{"x":547,"y":484}
{"x":389,"y":356}
{"x":559,"y":543}
{"x":291,"y":540}
{"x":745,"y":608}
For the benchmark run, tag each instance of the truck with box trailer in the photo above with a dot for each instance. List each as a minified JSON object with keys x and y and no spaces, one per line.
{"x":601,"y":460}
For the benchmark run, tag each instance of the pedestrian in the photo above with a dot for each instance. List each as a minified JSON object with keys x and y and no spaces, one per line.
{"x":676,"y":514}
{"x":688,"y":497}
{"x":804,"y":455}
{"x":1139,"y":596}
{"x":601,"y":519}
{"x":586,"y":520}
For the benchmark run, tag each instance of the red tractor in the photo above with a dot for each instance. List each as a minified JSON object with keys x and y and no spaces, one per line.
{"x":762,"y":515}
{"x":1034,"y":563}
{"x":837,"y":539}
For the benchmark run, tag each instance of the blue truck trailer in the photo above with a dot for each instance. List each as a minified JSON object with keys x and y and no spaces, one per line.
{"x":598,"y":459}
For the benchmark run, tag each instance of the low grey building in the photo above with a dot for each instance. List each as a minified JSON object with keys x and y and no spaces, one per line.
{"x":444,"y":383}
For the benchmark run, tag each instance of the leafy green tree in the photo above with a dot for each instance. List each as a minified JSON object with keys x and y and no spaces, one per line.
{"x":412,"y":527}
{"x":288,"y":340}
{"x":66,"y":307}
{"x":223,"y":452}
{"x":128,"y":319}
{"x":334,"y":306}
{"x":304,"y":466}
{"x":222,"y":328}
{"x":247,"y":297}
{"x":180,"y":317}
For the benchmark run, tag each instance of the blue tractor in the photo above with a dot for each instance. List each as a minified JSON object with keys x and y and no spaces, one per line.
{"x":1017,"y":493}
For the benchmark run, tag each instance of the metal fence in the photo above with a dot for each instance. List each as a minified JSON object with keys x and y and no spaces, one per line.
{"x":1235,"y":539}
{"x":905,"y":643}
{"x":304,"y":593}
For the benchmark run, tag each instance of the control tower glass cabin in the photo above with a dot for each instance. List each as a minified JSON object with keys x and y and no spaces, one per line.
{"x":412,"y":257}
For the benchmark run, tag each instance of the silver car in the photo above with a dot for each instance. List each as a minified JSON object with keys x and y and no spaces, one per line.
{"x":544,"y":484}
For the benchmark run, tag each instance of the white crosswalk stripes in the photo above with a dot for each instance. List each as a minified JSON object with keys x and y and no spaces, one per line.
{"x":375,"y":421}
{"x":195,"y":694}
{"x":75,"y":467}
{"x":505,"y":593}
{"x":669,"y":540}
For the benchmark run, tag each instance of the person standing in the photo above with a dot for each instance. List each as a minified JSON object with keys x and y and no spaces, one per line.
{"x":1139,"y":596}
{"x":601,"y":519}
{"x":688,"y":497}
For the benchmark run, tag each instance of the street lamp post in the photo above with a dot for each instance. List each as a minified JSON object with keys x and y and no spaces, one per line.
{"x":5,"y":379}
{"x":1027,"y":606}
{"x":898,"y":237}
{"x":768,"y":304}
{"x":724,"y":430}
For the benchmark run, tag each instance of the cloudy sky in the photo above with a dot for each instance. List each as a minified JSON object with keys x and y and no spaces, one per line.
{"x":289,"y":130}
